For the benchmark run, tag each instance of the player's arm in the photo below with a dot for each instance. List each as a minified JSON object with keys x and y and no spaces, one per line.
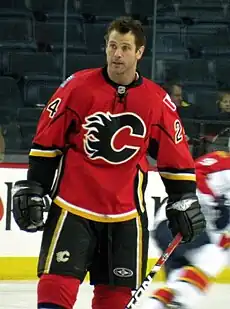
{"x":58,"y":120}
{"x":169,"y":147}
{"x":51,"y":141}
{"x":213,"y":178}
{"x":204,"y":166}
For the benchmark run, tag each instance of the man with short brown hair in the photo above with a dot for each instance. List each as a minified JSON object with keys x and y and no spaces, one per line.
{"x":96,"y":130}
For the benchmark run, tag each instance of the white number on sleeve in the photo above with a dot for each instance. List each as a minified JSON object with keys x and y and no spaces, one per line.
{"x":178,"y":131}
{"x":52,"y":107}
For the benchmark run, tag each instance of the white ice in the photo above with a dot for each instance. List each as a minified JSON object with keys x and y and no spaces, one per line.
{"x":22,"y":295}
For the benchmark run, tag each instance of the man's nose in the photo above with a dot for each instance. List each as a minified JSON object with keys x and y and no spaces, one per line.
{"x":118,"y":53}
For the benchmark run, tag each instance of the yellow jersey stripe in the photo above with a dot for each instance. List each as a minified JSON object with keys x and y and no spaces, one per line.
{"x":45,"y":153}
{"x":94,"y":216}
{"x":184,"y":176}
{"x":140,"y":192}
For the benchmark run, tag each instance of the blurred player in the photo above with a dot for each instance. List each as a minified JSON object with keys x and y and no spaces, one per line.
{"x":192,"y":266}
{"x":96,"y":130}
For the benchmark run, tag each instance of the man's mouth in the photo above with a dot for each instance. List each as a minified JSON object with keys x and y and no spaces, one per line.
{"x":117,"y":63}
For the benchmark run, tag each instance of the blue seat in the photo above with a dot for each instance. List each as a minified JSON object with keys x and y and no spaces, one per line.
{"x":28,"y":114}
{"x":22,"y":64}
{"x":201,"y":12}
{"x":75,"y":62}
{"x":12,"y":8}
{"x":222,"y":69}
{"x":13,"y":4}
{"x":206,"y":102}
{"x":10,"y":95}
{"x":7,"y":114}
{"x":28,"y":130}
{"x":94,"y":34}
{"x":165,"y":13}
{"x":168,"y":43}
{"x":16,"y":33}
{"x":198,"y":72}
{"x":141,"y":10}
{"x":51,"y":34}
{"x":37,"y":93}
{"x":104,"y":10}
{"x":12,"y":137}
{"x":217,"y":45}
{"x":53,"y":8}
{"x":145,"y":67}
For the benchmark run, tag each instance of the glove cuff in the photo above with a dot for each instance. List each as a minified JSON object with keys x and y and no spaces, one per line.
{"x":24,"y":185}
{"x":176,"y":198}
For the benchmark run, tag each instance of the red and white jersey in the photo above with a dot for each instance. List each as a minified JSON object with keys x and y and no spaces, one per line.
{"x":213,"y":182}
{"x":213,"y":174}
{"x":213,"y":191}
{"x":103,"y":131}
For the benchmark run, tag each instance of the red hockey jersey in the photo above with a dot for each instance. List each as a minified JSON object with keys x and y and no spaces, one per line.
{"x":209,"y":164}
{"x":103,"y":132}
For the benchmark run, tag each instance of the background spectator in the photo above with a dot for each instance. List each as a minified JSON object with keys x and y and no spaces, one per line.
{"x":216,"y":112}
{"x":223,"y":104}
{"x":175,"y":90}
{"x":186,"y":110}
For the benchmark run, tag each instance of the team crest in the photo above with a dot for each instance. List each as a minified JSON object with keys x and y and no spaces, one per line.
{"x":103,"y":131}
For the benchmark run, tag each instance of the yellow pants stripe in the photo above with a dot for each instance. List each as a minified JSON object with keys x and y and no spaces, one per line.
{"x":54,"y":240}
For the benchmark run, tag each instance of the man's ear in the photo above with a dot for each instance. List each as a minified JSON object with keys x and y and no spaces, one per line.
{"x":140,"y":52}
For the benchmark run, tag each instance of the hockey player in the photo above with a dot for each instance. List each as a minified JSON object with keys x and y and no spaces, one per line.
{"x":191,"y":267}
{"x":91,"y":142}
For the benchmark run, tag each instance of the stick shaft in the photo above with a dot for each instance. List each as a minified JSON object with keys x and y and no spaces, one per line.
{"x":148,"y":279}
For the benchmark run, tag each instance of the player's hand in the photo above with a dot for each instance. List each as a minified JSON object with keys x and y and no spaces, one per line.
{"x":28,"y":205}
{"x":185,"y":217}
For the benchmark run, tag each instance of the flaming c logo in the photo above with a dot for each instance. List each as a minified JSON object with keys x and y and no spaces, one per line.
{"x":105,"y":129}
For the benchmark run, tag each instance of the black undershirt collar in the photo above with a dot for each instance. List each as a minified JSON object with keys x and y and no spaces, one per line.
{"x":135,"y":83}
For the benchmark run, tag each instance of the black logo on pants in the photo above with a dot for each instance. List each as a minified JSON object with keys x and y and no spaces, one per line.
{"x":123,"y":272}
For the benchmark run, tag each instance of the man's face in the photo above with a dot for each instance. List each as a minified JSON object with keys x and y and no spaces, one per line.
{"x":121,"y":52}
{"x":176,"y":95}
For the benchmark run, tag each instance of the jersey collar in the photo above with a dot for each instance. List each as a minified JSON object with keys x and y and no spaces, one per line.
{"x":137,"y":82}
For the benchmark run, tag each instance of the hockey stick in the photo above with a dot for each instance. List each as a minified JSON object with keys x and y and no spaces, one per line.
{"x":148,"y":279}
{"x":221,"y":133}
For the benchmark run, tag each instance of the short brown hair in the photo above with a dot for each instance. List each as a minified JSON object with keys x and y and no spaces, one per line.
{"x":126,"y":24}
{"x":221,"y":95}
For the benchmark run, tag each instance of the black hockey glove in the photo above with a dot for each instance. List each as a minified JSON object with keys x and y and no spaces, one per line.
{"x":28,"y":205}
{"x":185,"y":216}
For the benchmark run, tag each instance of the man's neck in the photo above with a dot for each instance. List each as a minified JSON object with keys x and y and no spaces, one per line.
{"x":123,"y":79}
